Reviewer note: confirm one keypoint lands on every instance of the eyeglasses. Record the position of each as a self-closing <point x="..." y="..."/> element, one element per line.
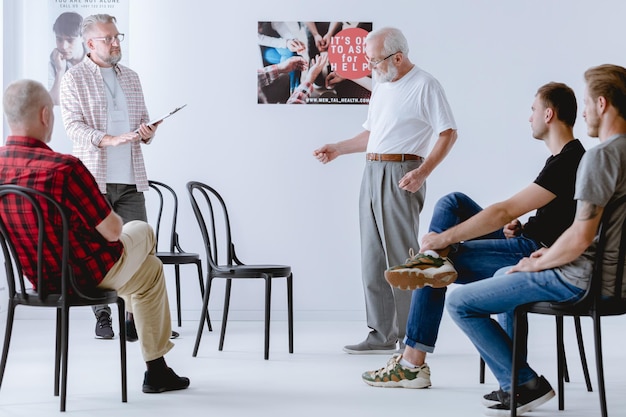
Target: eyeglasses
<point x="373" y="64"/>
<point x="109" y="39"/>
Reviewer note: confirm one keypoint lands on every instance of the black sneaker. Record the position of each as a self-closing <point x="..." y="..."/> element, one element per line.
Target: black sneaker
<point x="155" y="383"/>
<point x="131" y="332"/>
<point x="492" y="398"/>
<point x="103" y="326"/>
<point x="527" y="399"/>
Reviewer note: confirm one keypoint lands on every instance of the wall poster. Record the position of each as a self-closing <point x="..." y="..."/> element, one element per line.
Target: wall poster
<point x="313" y="63"/>
<point x="66" y="43"/>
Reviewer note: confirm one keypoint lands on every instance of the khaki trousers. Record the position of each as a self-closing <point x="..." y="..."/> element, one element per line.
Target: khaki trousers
<point x="139" y="279"/>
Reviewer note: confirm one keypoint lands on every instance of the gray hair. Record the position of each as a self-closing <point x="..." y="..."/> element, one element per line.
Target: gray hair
<point x="22" y="101"/>
<point x="393" y="40"/>
<point x="90" y="21"/>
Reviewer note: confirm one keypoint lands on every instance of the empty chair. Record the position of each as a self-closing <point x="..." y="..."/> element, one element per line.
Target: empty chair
<point x="222" y="262"/>
<point x="174" y="255"/>
<point x="70" y="295"/>
<point x="593" y="304"/>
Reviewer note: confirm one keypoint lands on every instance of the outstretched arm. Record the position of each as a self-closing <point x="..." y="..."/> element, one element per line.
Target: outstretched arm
<point x="330" y="151"/>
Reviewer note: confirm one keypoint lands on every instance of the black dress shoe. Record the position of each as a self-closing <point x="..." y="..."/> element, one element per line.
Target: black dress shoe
<point x="157" y="382"/>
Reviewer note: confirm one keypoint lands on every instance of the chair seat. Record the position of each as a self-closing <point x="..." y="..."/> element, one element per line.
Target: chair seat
<point x="607" y="308"/>
<point x="178" y="257"/>
<point x="95" y="296"/>
<point x="252" y="271"/>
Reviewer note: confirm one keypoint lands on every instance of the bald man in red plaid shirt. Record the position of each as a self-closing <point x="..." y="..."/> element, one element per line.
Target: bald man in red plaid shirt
<point x="104" y="252"/>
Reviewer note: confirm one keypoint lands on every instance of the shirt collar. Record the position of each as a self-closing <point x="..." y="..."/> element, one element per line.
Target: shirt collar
<point x="96" y="68"/>
<point x="26" y="141"/>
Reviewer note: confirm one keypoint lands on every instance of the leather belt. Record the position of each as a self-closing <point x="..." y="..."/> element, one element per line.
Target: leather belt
<point x="392" y="157"/>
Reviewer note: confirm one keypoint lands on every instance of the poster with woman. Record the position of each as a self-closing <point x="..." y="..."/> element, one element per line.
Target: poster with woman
<point x="313" y="63"/>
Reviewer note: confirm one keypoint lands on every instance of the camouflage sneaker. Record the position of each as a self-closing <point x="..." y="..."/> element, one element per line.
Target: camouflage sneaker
<point x="395" y="375"/>
<point x="421" y="270"/>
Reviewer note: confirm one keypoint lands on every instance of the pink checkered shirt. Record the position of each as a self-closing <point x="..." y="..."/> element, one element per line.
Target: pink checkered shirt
<point x="84" y="112"/>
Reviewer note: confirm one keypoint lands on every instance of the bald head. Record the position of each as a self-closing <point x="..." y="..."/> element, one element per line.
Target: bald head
<point x="28" y="109"/>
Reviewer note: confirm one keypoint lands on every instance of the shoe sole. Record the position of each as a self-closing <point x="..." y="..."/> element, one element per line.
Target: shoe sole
<point x="104" y="337"/>
<point x="413" y="278"/>
<point x="147" y="389"/>
<point x="418" y="383"/>
<point x="522" y="409"/>
<point x="489" y="403"/>
<point x="370" y="351"/>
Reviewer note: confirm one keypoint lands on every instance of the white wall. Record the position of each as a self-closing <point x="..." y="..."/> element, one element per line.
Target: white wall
<point x="490" y="56"/>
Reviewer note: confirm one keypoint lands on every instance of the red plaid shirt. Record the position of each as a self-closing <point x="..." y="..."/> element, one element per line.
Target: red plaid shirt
<point x="31" y="163"/>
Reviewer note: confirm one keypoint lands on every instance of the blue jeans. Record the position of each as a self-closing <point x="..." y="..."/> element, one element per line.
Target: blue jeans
<point x="471" y="307"/>
<point x="474" y="260"/>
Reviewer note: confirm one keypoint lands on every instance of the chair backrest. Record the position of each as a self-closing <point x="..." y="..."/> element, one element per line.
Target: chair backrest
<point x="613" y="222"/>
<point x="31" y="200"/>
<point x="167" y="206"/>
<point x="212" y="216"/>
<point x="611" y="248"/>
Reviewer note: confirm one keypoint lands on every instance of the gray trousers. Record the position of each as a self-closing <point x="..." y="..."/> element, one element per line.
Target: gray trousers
<point x="389" y="222"/>
<point x="130" y="205"/>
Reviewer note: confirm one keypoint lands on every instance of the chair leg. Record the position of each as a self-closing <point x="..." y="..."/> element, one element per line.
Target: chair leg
<point x="65" y="324"/>
<point x="520" y="334"/>
<point x="290" y="310"/>
<point x="481" y="372"/>
<point x="208" y="319"/>
<point x="121" y="312"/>
<point x="268" y="308"/>
<point x="57" y="353"/>
<point x="225" y="314"/>
<point x="7" y="340"/>
<point x="177" y="272"/>
<point x="581" y="351"/>
<point x="561" y="364"/>
<point x="599" y="363"/>
<point x="203" y="315"/>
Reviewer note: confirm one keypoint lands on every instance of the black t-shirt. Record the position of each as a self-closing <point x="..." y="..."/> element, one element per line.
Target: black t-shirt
<point x="559" y="177"/>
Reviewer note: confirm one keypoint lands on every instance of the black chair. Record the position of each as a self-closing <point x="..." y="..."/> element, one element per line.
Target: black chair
<point x="168" y="201"/>
<point x="212" y="216"/>
<point x="581" y="351"/>
<point x="593" y="304"/>
<point x="21" y="293"/>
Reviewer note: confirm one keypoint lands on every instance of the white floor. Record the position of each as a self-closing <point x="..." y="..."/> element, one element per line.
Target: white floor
<point x="318" y="379"/>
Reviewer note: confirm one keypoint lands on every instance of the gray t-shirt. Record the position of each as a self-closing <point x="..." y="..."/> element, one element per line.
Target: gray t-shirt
<point x="601" y="179"/>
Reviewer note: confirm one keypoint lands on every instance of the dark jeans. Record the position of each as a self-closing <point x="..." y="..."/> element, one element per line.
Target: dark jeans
<point x="130" y="205"/>
<point x="474" y="260"/>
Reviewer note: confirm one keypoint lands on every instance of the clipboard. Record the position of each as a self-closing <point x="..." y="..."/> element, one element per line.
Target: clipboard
<point x="165" y="116"/>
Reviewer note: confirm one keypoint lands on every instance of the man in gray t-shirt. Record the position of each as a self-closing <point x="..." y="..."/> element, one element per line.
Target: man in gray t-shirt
<point x="562" y="271"/>
<point x="600" y="180"/>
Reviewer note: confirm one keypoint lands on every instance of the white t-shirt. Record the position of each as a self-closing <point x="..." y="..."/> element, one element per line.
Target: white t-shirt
<point x="404" y="115"/>
<point x="119" y="158"/>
